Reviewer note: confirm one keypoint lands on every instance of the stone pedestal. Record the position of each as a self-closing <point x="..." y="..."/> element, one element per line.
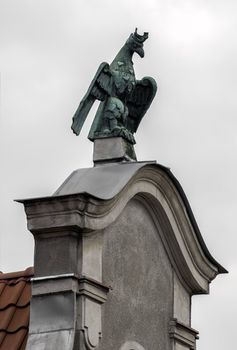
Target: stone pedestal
<point x="118" y="256"/>
<point x="113" y="149"/>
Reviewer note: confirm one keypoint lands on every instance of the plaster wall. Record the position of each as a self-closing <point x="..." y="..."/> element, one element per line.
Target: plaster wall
<point x="182" y="302"/>
<point x="136" y="266"/>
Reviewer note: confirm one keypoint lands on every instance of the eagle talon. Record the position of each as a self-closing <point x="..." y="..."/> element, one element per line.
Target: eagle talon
<point x="116" y="129"/>
<point x="106" y="131"/>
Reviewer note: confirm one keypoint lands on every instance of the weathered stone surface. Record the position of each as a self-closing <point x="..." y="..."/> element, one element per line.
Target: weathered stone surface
<point x="57" y="253"/>
<point x="128" y="226"/>
<point x="63" y="339"/>
<point x="182" y="336"/>
<point x="113" y="150"/>
<point x="182" y="302"/>
<point x="135" y="264"/>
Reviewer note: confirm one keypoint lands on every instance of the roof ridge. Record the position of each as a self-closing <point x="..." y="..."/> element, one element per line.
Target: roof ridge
<point x="29" y="271"/>
<point x="14" y="281"/>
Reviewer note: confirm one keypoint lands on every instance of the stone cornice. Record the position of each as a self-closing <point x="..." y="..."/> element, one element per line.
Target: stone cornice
<point x="183" y="334"/>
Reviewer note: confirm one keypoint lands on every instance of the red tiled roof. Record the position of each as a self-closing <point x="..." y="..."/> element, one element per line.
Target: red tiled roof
<point x="15" y="295"/>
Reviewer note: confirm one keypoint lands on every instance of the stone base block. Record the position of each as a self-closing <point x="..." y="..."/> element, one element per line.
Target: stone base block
<point x="113" y="149"/>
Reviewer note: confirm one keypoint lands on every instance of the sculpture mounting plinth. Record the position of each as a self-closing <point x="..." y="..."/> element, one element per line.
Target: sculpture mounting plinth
<point x="114" y="149"/>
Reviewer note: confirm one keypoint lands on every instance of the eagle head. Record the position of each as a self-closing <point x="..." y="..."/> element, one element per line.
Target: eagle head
<point x="135" y="42"/>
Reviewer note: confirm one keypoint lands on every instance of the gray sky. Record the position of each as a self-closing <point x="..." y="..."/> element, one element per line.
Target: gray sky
<point x="49" y="52"/>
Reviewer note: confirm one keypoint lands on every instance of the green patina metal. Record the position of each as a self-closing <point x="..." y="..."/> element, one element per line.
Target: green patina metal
<point x="124" y="100"/>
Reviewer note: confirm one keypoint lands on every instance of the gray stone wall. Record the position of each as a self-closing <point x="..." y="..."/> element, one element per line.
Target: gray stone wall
<point x="182" y="302"/>
<point x="135" y="264"/>
<point x="127" y="226"/>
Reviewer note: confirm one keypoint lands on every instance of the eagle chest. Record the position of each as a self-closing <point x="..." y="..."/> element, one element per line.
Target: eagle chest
<point x="124" y="78"/>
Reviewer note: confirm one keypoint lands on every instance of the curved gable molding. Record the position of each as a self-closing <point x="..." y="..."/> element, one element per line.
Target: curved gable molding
<point x="92" y="199"/>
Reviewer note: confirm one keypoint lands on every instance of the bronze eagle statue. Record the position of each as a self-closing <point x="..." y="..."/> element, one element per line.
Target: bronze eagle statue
<point x="124" y="100"/>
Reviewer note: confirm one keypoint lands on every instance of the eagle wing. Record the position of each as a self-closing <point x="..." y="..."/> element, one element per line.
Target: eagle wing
<point x="139" y="101"/>
<point x="99" y="89"/>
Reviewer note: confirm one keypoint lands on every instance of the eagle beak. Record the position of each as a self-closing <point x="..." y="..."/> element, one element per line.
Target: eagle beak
<point x="140" y="52"/>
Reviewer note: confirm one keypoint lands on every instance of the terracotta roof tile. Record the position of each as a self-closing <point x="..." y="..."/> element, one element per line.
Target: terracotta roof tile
<point x="11" y="294"/>
<point x="23" y="345"/>
<point x="14" y="341"/>
<point x="24" y="298"/>
<point x="2" y="286"/>
<point x="15" y="295"/>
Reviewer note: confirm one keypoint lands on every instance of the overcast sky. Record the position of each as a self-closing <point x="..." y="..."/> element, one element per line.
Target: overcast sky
<point x="49" y="52"/>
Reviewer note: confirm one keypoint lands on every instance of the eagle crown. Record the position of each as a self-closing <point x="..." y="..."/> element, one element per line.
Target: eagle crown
<point x="135" y="42"/>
